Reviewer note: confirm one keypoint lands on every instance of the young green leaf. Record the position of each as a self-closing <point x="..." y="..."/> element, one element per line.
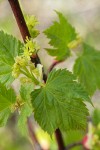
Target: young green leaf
<point x="96" y="117"/>
<point x="87" y="69"/>
<point x="26" y="90"/>
<point x="60" y="34"/>
<point x="60" y="103"/>
<point x="4" y="115"/>
<point x="7" y="97"/>
<point x="26" y="111"/>
<point x="10" y="47"/>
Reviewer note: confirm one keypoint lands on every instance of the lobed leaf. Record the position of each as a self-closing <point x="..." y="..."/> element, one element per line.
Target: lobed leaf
<point x="4" y="115"/>
<point x="96" y="117"/>
<point x="60" y="34"/>
<point x="26" y="90"/>
<point x="60" y="103"/>
<point x="10" y="47"/>
<point x="26" y="111"/>
<point x="87" y="68"/>
<point x="7" y="97"/>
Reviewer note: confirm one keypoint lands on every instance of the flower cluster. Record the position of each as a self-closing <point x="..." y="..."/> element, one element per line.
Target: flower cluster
<point x="31" y="22"/>
<point x="18" y="105"/>
<point x="20" y="62"/>
<point x="92" y="139"/>
<point x="30" y="48"/>
<point x="23" y="65"/>
<point x="27" y="68"/>
<point x="73" y="44"/>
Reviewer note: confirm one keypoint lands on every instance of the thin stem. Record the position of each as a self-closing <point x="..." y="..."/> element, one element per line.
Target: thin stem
<point x="59" y="139"/>
<point x="32" y="135"/>
<point x="53" y="65"/>
<point x="19" y="18"/>
<point x="73" y="145"/>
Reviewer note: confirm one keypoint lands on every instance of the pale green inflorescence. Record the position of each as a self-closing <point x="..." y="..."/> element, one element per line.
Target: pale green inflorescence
<point x="30" y="48"/>
<point x="23" y="65"/>
<point x="31" y="22"/>
<point x="93" y="136"/>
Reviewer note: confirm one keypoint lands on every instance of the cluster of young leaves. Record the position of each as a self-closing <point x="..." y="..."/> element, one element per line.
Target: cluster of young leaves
<point x="7" y="99"/>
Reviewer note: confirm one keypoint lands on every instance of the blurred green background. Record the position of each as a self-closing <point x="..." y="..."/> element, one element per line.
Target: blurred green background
<point x="85" y="16"/>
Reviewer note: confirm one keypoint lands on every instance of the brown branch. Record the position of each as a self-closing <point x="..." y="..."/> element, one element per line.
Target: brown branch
<point x="22" y="25"/>
<point x="24" y="32"/>
<point x="59" y="140"/>
<point x="73" y="145"/>
<point x="19" y="18"/>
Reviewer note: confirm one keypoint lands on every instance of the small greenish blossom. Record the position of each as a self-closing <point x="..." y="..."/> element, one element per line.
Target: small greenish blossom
<point x="16" y="70"/>
<point x="25" y="80"/>
<point x="21" y="61"/>
<point x="95" y="139"/>
<point x="24" y="66"/>
<point x="31" y="22"/>
<point x="19" y="103"/>
<point x="30" y="48"/>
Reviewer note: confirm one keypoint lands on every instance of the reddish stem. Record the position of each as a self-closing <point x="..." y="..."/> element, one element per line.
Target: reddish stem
<point x="59" y="139"/>
<point x="56" y="62"/>
<point x="73" y="145"/>
<point x="19" y="18"/>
